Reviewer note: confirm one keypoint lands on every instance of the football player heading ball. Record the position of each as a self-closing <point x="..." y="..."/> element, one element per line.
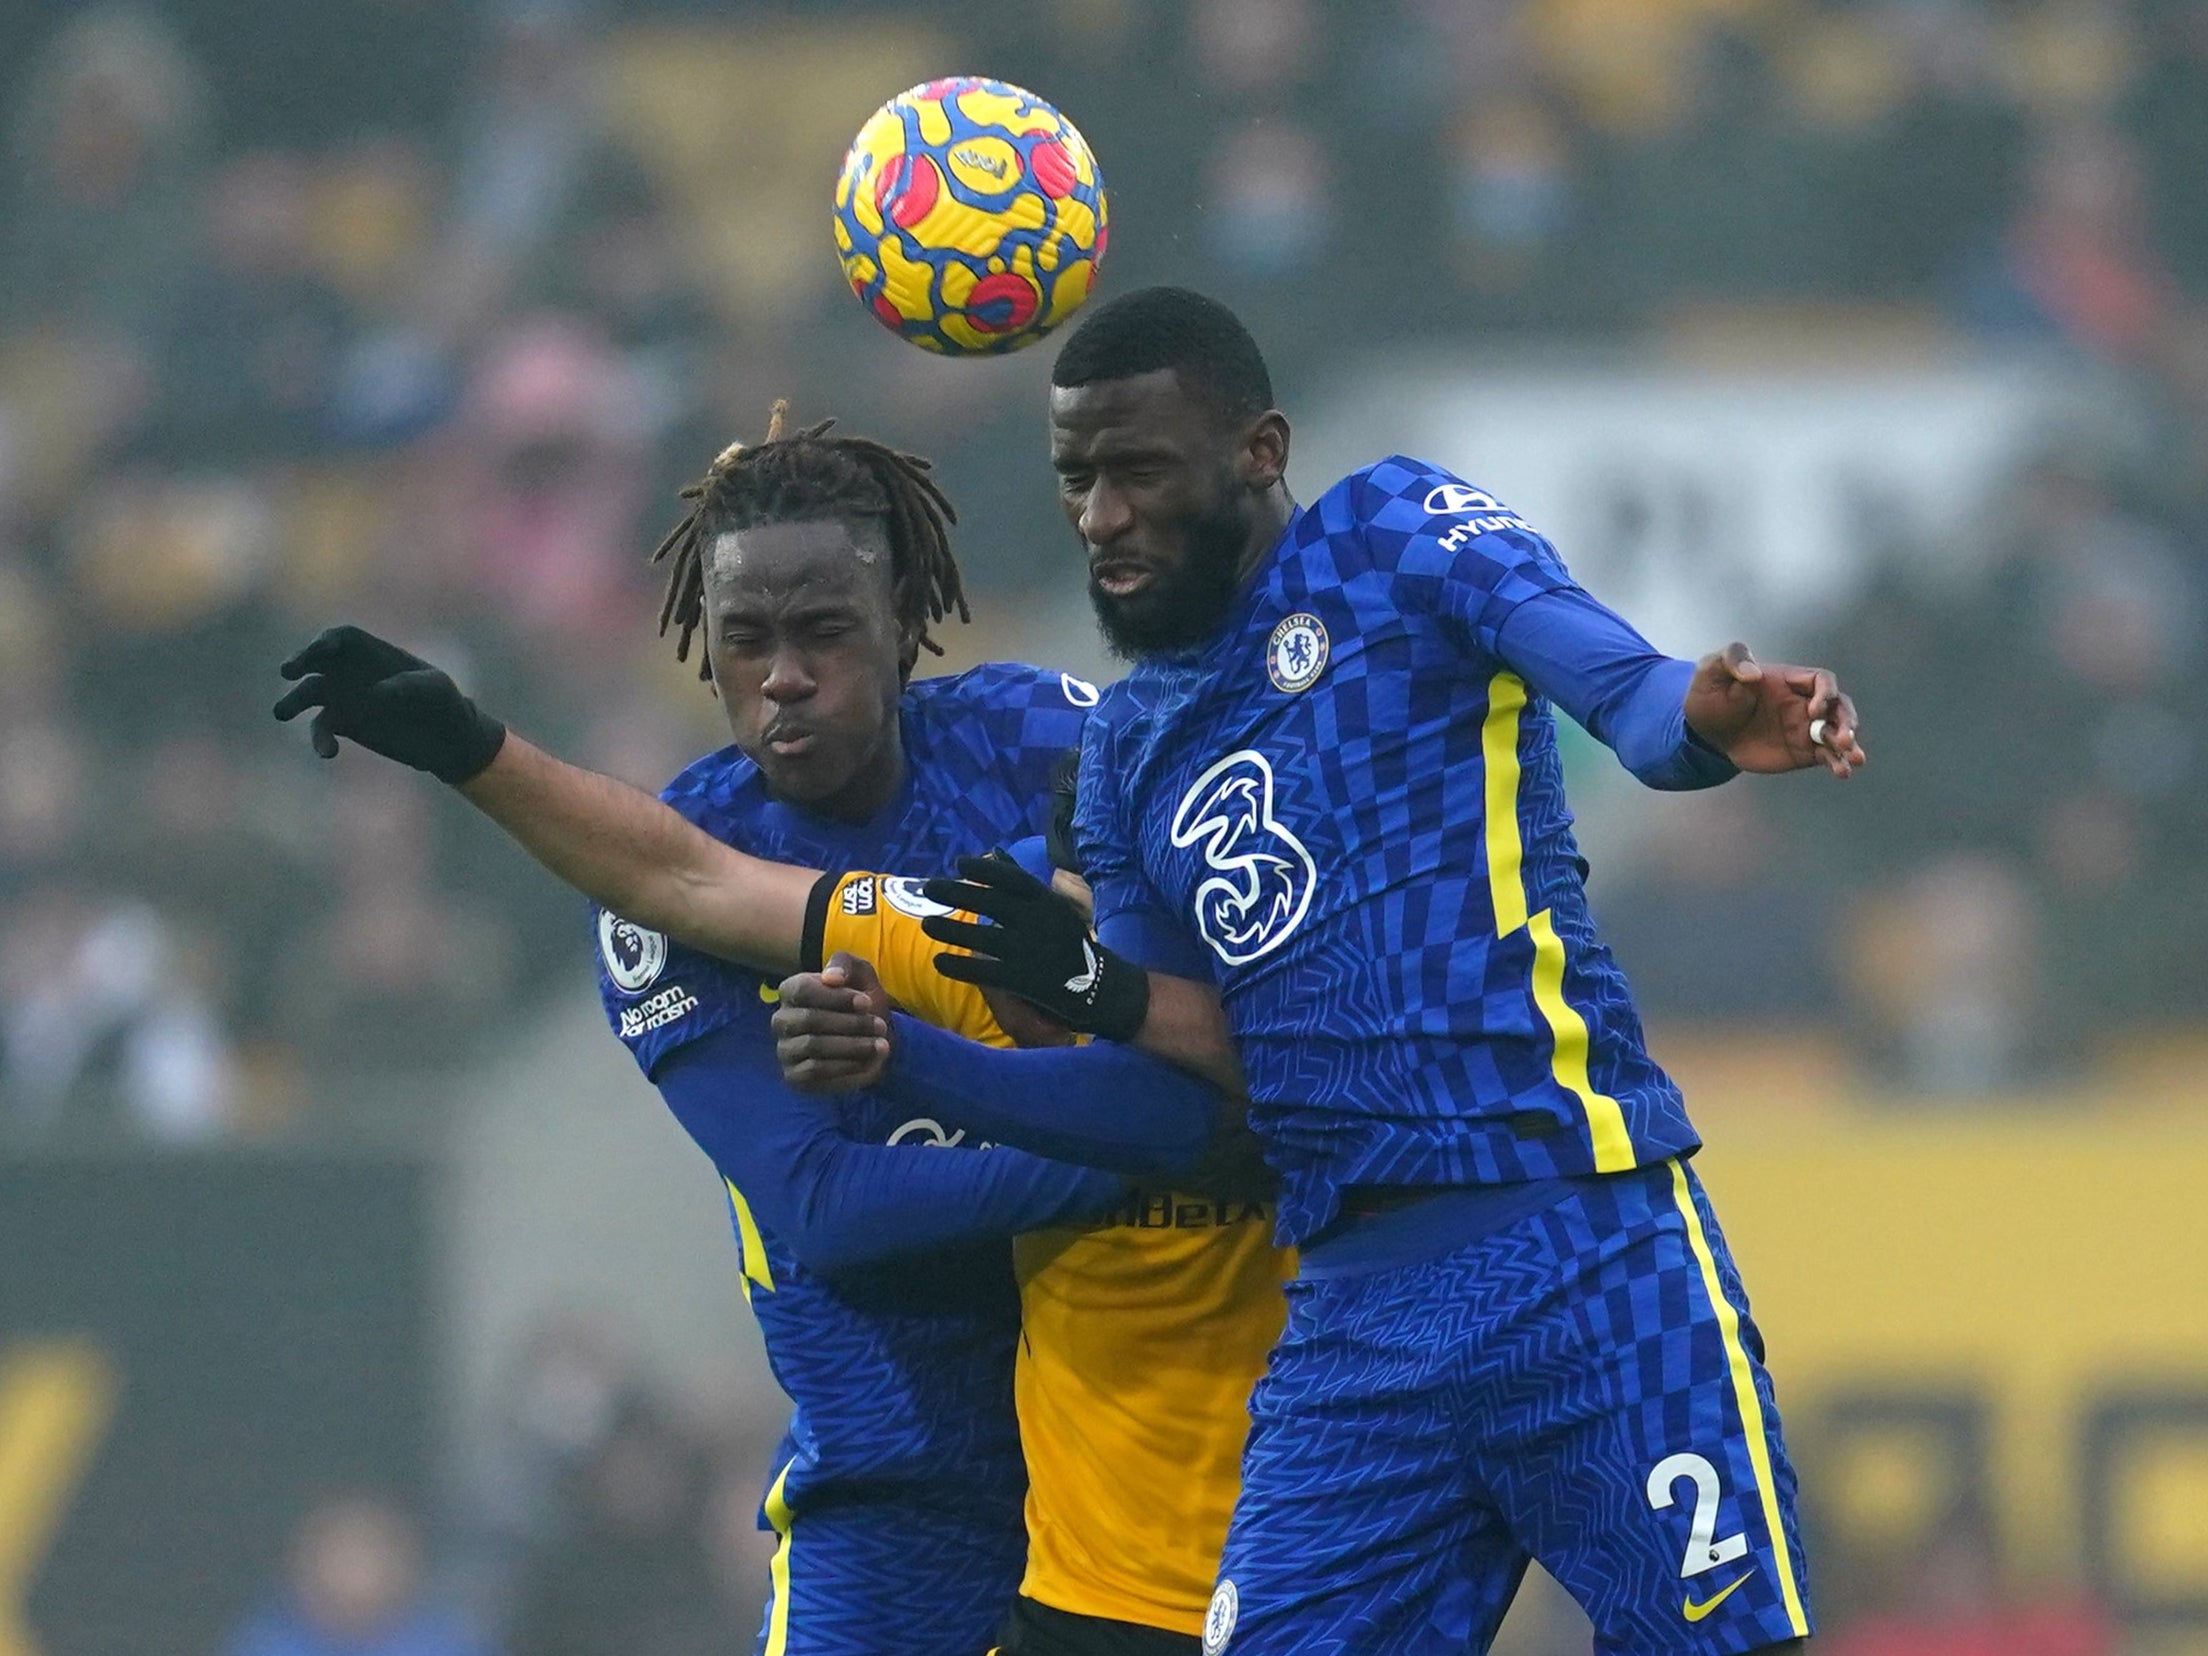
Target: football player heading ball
<point x="1327" y="802"/>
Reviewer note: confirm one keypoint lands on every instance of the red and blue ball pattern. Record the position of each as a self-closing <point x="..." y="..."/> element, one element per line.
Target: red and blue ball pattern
<point x="970" y="217"/>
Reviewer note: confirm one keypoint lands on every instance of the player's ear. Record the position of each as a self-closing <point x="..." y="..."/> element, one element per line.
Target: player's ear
<point x="1265" y="451"/>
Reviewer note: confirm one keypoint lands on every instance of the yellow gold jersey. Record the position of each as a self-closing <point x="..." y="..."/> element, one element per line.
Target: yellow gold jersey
<point x="1142" y="1334"/>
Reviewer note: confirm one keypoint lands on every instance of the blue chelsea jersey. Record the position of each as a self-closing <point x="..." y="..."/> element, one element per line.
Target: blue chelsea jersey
<point x="901" y="1374"/>
<point x="1359" y="809"/>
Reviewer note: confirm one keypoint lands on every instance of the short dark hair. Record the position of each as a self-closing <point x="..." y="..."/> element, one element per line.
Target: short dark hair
<point x="1169" y="327"/>
<point x="810" y="476"/>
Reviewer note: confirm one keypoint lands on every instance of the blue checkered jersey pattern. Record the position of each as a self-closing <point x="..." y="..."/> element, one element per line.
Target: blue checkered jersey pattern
<point x="1358" y="808"/>
<point x="901" y="1374"/>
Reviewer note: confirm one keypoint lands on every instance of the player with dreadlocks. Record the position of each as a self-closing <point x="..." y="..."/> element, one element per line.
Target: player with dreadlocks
<point x="813" y="565"/>
<point x="747" y="486"/>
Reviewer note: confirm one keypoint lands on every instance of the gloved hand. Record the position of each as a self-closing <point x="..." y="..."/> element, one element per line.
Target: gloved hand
<point x="1039" y="948"/>
<point x="389" y="702"/>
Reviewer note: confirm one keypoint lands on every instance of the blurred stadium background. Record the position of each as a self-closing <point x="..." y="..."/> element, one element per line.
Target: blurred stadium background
<point x="347" y="1271"/>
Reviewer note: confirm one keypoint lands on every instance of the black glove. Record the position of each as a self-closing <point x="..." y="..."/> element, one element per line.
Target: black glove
<point x="389" y="702"/>
<point x="1040" y="948"/>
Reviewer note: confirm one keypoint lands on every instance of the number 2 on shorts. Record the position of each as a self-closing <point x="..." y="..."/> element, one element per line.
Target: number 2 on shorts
<point x="1704" y="1551"/>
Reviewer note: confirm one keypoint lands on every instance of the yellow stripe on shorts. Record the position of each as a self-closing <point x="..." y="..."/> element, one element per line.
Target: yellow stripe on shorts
<point x="778" y="1571"/>
<point x="1744" y="1394"/>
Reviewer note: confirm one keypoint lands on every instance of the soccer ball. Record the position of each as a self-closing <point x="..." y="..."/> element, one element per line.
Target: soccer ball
<point x="970" y="217"/>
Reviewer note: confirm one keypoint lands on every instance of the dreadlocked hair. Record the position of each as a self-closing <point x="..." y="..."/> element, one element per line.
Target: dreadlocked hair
<point x="807" y="475"/>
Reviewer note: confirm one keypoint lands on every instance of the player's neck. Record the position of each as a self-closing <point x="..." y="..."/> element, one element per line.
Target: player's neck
<point x="1274" y="511"/>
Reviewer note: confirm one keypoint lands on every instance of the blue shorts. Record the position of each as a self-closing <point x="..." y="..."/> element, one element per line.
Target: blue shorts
<point x="881" y="1578"/>
<point x="1582" y="1386"/>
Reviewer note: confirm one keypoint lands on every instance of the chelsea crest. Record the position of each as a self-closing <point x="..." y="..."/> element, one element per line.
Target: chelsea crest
<point x="1297" y="654"/>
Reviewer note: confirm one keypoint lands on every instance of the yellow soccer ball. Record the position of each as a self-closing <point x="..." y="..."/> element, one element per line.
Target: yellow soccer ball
<point x="970" y="217"/>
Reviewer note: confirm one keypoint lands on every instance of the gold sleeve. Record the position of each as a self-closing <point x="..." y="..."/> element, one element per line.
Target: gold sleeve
<point x="877" y="917"/>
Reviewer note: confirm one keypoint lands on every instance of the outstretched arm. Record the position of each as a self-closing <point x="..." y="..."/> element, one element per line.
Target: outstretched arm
<point x="616" y="845"/>
<point x="1673" y="723"/>
<point x="641" y="859"/>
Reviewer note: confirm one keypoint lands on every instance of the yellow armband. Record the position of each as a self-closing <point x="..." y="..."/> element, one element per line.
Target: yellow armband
<point x="877" y="917"/>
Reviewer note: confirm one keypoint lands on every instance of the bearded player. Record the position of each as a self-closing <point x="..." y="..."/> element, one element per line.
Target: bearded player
<point x="1328" y="798"/>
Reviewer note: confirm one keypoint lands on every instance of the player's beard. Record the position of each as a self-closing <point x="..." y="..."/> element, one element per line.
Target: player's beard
<point x="1183" y="607"/>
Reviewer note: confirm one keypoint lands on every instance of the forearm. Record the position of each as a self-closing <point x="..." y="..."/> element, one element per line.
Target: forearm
<point x="848" y="1203"/>
<point x="1648" y="731"/>
<point x="1101" y="1105"/>
<point x="1185" y="1024"/>
<point x="639" y="858"/>
<point x="837" y="1203"/>
<point x="1625" y="692"/>
<point x="1186" y="1027"/>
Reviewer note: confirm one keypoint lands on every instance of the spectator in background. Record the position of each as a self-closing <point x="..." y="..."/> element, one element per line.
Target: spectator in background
<point x="246" y="361"/>
<point x="528" y="136"/>
<point x="2075" y="265"/>
<point x="552" y="472"/>
<point x="400" y="975"/>
<point x="570" y="1382"/>
<point x="2048" y="869"/>
<point x="1952" y="1602"/>
<point x="101" y="989"/>
<point x="620" y="261"/>
<point x="170" y="571"/>
<point x="1270" y="207"/>
<point x="1948" y="979"/>
<point x="2168" y="114"/>
<point x="210" y="839"/>
<point x="593" y="1498"/>
<point x="42" y="760"/>
<point x="1939" y="173"/>
<point x="1265" y="208"/>
<point x="1513" y="204"/>
<point x="354" y="1589"/>
<point x="1729" y="198"/>
<point x="109" y="136"/>
<point x="636" y="1576"/>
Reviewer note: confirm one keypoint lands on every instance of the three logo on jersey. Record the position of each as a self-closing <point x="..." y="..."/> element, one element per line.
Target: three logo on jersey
<point x="1262" y="878"/>
<point x="926" y="1130"/>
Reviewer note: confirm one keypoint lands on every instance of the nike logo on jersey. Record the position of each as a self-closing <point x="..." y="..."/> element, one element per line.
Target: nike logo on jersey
<point x="1084" y="983"/>
<point x="1695" y="1612"/>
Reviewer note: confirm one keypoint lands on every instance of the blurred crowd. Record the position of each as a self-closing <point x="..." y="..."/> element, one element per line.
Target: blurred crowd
<point x="418" y="316"/>
<point x="608" y="1515"/>
<point x="604" y="1512"/>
